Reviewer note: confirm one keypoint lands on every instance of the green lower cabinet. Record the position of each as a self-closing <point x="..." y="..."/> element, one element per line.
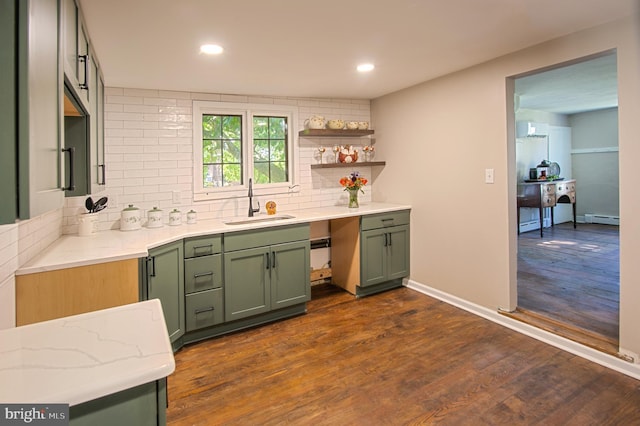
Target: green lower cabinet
<point x="247" y="286"/>
<point x="266" y="278"/>
<point x="204" y="309"/>
<point x="144" y="405"/>
<point x="385" y="255"/>
<point x="290" y="274"/>
<point x="384" y="251"/>
<point x="164" y="269"/>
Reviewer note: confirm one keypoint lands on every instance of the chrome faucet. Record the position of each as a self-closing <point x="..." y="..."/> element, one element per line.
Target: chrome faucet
<point x="251" y="209"/>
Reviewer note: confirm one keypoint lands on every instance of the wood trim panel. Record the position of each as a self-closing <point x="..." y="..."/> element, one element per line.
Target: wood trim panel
<point x="345" y="252"/>
<point x="55" y="294"/>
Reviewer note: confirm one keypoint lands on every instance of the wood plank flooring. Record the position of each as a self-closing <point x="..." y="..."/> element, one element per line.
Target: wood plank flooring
<point x="396" y="358"/>
<point x="569" y="281"/>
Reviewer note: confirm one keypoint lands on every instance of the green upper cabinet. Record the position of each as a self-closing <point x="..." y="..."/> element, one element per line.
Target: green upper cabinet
<point x="84" y="104"/>
<point x="8" y="112"/>
<point x="77" y="63"/>
<point x="265" y="270"/>
<point x="39" y="100"/>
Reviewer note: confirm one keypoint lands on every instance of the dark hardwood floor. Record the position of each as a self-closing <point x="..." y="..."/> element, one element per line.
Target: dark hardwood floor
<point x="570" y="279"/>
<point x="396" y="358"/>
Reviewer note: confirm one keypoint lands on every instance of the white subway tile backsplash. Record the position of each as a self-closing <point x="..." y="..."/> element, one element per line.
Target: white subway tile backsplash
<point x="150" y="152"/>
<point x="160" y="101"/>
<point x="124" y="133"/>
<point x="123" y="100"/>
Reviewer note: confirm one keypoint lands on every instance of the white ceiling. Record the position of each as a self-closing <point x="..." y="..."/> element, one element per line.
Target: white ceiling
<point x="311" y="48"/>
<point x="585" y="86"/>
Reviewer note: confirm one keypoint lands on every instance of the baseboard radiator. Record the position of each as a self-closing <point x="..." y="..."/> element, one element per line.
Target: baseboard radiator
<point x="602" y="219"/>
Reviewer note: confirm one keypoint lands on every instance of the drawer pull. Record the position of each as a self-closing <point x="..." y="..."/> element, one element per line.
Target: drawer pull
<point x="203" y="310"/>
<point x="208" y="246"/>
<point x="202" y="274"/>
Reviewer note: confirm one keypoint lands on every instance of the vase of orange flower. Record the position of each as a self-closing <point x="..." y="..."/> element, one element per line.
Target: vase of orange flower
<point x="353" y="185"/>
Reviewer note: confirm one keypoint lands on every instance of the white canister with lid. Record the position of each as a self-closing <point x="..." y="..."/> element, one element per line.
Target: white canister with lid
<point x="130" y="219"/>
<point x="192" y="217"/>
<point x="154" y="218"/>
<point x="175" y="217"/>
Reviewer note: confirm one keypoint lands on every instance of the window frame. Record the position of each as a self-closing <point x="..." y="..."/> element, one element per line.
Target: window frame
<point x="247" y="111"/>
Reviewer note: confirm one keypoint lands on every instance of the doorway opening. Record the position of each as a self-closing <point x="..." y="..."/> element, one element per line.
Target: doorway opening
<point x="566" y="153"/>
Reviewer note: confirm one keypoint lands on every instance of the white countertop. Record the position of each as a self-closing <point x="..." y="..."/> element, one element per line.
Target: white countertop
<point x="83" y="357"/>
<point x="107" y="246"/>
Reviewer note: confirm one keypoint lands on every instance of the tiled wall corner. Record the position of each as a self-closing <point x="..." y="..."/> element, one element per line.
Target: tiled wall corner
<point x="19" y="243"/>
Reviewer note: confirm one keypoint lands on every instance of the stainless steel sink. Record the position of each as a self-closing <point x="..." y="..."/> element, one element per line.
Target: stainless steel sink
<point x="258" y="219"/>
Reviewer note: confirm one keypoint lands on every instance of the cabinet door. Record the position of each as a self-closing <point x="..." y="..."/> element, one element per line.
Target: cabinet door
<point x="8" y="113"/>
<point x="247" y="289"/>
<point x="373" y="259"/>
<point x="70" y="42"/>
<point x="39" y="109"/>
<point x="84" y="66"/>
<point x="290" y="279"/>
<point x="398" y="252"/>
<point x="165" y="281"/>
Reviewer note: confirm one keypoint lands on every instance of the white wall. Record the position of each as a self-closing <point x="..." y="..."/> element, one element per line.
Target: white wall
<point x="440" y="136"/>
<point x="596" y="172"/>
<point x="149" y="154"/>
<point x="19" y="243"/>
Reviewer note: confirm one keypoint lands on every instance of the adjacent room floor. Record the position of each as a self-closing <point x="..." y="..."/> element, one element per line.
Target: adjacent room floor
<point x="569" y="282"/>
<point x="394" y="358"/>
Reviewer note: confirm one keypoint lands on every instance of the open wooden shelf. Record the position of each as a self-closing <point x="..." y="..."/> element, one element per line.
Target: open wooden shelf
<point x="333" y="133"/>
<point x="356" y="164"/>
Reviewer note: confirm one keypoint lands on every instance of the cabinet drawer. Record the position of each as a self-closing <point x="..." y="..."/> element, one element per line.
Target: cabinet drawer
<point x="202" y="273"/>
<point x="384" y="220"/>
<point x="202" y="246"/>
<point x="565" y="188"/>
<point x="263" y="237"/>
<point x="204" y="309"/>
<point x="548" y="189"/>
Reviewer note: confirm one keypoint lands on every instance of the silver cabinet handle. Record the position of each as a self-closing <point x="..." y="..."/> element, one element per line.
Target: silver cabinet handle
<point x="85" y="61"/>
<point x="203" y="310"/>
<point x="203" y="274"/>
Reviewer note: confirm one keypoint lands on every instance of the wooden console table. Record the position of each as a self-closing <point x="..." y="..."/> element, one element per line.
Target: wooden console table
<point x="543" y="194"/>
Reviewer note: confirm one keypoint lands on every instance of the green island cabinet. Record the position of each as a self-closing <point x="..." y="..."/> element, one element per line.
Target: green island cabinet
<point x="203" y="282"/>
<point x="162" y="277"/>
<point x="144" y="405"/>
<point x="266" y="270"/>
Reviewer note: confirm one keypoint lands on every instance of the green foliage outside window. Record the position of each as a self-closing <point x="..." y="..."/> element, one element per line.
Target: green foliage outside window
<point x="270" y="162"/>
<point x="221" y="150"/>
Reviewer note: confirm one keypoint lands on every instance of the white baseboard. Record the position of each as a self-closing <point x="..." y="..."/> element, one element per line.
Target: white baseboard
<point x="602" y="219"/>
<point x="609" y="361"/>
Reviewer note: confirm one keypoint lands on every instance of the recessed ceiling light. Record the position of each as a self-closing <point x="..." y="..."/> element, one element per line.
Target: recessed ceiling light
<point x="365" y="67"/>
<point x="211" y="49"/>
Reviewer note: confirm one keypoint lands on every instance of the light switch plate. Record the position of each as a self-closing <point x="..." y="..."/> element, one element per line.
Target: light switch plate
<point x="488" y="175"/>
<point x="176" y="197"/>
